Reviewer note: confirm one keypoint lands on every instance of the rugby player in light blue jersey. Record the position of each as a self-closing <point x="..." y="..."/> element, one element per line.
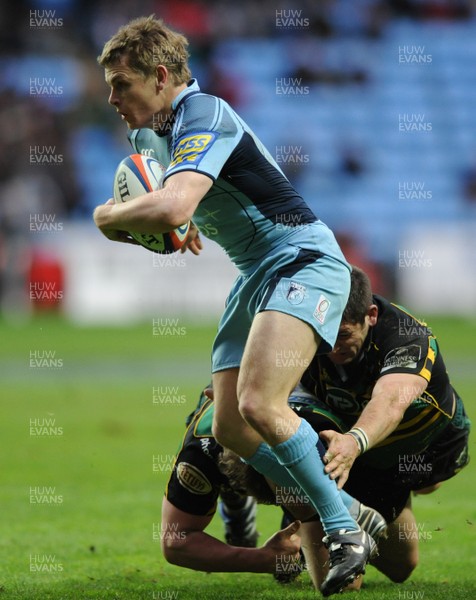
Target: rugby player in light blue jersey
<point x="287" y="302"/>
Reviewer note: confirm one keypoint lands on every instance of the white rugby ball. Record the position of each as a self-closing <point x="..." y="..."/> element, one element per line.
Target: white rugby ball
<point x="136" y="175"/>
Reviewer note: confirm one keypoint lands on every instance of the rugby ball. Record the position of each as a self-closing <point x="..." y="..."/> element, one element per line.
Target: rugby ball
<point x="136" y="175"/>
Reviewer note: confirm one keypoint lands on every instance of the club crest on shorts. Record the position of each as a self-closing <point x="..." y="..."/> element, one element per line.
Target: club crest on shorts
<point x="322" y="307"/>
<point x="296" y="293"/>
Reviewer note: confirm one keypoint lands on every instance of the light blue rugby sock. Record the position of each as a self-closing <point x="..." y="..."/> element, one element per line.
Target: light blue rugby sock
<point x="297" y="461"/>
<point x="265" y="462"/>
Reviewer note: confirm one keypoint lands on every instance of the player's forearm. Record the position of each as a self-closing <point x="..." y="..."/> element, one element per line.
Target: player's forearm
<point x="201" y="552"/>
<point x="391" y="397"/>
<point x="380" y="417"/>
<point x="151" y="213"/>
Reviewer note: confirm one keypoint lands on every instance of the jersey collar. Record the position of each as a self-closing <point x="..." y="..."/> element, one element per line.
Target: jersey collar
<point x="192" y="88"/>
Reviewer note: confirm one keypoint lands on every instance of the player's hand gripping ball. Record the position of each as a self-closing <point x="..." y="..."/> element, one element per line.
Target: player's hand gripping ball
<point x="137" y="175"/>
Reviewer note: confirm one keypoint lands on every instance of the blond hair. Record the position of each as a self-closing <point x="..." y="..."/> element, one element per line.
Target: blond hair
<point x="147" y="42"/>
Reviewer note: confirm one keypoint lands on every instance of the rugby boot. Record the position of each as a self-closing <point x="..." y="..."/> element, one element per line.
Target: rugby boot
<point x="349" y="552"/>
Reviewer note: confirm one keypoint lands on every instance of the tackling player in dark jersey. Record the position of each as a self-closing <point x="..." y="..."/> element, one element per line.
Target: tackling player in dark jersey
<point x="190" y="502"/>
<point x="406" y="425"/>
<point x="200" y="476"/>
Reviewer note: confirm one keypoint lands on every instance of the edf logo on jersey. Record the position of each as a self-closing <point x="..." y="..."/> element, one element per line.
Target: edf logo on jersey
<point x="191" y="149"/>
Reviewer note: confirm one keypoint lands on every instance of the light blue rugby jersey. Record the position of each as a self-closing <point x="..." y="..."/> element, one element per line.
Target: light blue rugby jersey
<point x="251" y="207"/>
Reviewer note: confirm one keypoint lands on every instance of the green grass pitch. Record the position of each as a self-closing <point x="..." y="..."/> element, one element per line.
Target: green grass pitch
<point x="90" y="418"/>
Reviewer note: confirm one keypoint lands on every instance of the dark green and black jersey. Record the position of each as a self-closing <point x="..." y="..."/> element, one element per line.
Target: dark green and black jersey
<point x="196" y="480"/>
<point x="398" y="343"/>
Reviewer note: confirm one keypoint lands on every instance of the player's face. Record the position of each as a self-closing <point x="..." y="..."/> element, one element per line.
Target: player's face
<point x="135" y="97"/>
<point x="351" y="338"/>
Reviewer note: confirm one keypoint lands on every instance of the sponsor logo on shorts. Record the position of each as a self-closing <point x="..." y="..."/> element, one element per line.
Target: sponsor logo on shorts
<point x="296" y="293"/>
<point x="406" y="357"/>
<point x="192" y="479"/>
<point x="192" y="148"/>
<point x="322" y="307"/>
